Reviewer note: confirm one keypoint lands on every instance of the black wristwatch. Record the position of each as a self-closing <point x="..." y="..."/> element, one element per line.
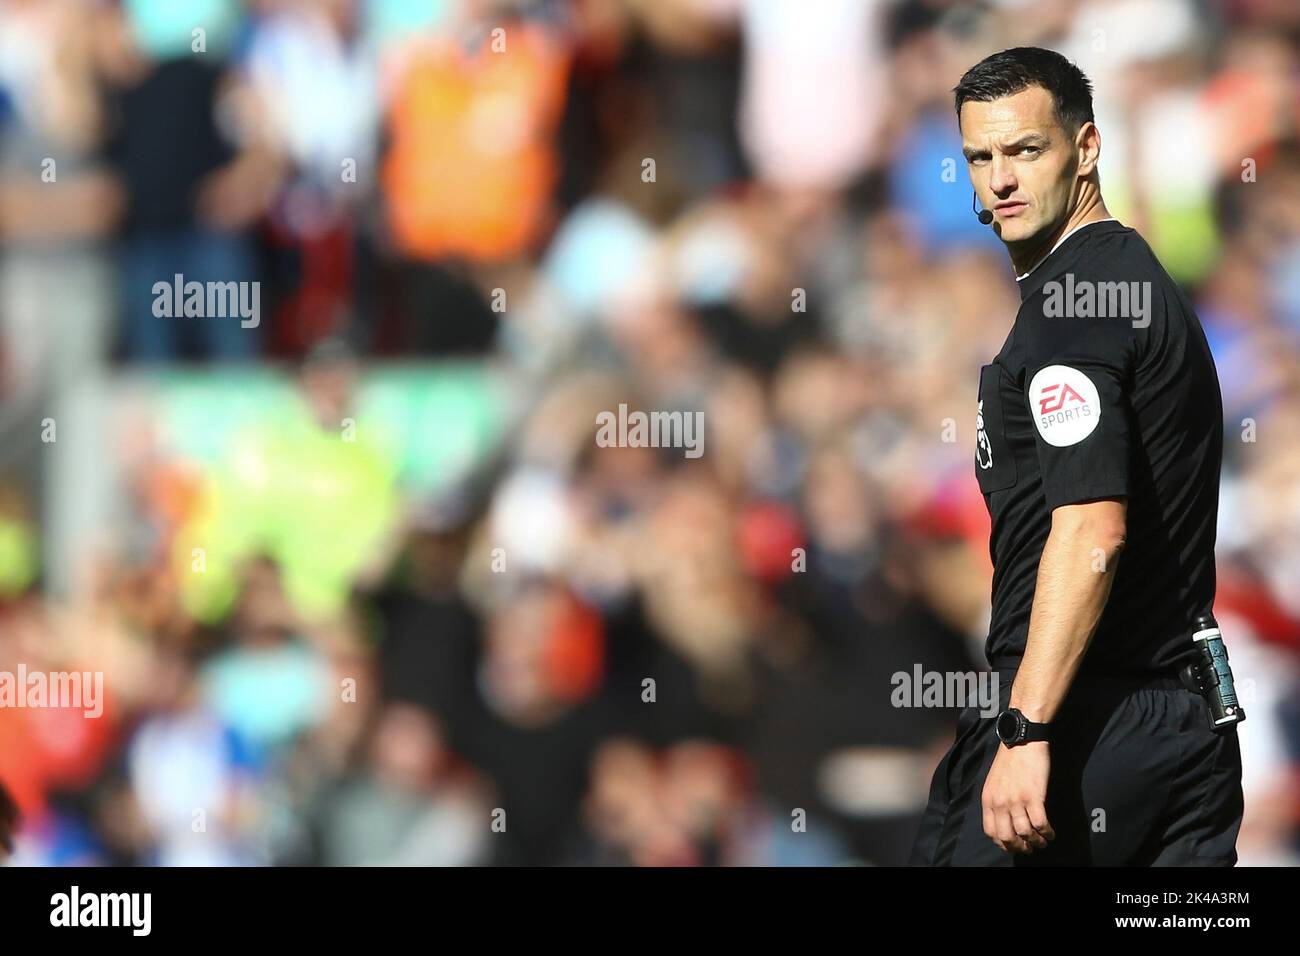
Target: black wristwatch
<point x="1015" y="729"/>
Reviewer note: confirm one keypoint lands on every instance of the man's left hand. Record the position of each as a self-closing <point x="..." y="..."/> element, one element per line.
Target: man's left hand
<point x="1015" y="797"/>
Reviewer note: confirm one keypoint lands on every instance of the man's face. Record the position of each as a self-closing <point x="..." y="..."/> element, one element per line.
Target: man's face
<point x="1022" y="163"/>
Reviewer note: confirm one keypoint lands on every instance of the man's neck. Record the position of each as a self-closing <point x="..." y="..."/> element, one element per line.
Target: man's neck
<point x="1090" y="208"/>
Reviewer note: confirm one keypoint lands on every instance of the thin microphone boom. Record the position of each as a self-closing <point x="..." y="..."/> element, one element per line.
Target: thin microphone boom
<point x="983" y="215"/>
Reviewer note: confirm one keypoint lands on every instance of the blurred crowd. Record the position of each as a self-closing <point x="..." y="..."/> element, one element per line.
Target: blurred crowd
<point x="561" y="653"/>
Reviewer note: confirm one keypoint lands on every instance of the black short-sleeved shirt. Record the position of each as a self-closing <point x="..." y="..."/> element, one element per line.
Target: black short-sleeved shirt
<point x="1104" y="388"/>
<point x="166" y="140"/>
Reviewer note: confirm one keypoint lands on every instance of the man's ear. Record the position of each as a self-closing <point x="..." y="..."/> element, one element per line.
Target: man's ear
<point x="1087" y="142"/>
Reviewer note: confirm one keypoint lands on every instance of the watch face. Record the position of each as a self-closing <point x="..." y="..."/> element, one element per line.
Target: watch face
<point x="1008" y="726"/>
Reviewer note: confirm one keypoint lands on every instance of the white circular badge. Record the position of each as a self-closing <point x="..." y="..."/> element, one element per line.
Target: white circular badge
<point x="1065" y="405"/>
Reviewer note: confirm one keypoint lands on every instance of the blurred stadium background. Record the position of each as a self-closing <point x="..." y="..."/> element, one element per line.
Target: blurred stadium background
<point x="359" y="576"/>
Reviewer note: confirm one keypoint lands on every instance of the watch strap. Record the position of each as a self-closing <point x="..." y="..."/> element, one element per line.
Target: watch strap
<point x="1034" y="732"/>
<point x="1029" y="731"/>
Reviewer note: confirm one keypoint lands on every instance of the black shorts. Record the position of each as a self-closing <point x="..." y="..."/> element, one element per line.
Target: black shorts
<point x="1137" y="778"/>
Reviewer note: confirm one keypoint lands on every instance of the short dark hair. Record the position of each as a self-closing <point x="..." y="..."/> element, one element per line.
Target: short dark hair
<point x="1017" y="69"/>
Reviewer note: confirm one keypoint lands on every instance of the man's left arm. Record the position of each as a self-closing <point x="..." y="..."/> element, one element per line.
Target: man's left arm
<point x="1074" y="581"/>
<point x="1078" y="376"/>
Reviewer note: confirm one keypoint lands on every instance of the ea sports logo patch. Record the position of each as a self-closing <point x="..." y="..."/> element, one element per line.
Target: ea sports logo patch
<point x="1065" y="405"/>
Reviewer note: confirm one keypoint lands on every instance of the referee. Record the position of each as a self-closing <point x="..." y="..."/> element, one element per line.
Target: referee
<point x="1100" y="433"/>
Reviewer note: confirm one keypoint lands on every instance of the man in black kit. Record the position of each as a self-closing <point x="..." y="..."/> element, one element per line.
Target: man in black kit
<point x="1100" y="430"/>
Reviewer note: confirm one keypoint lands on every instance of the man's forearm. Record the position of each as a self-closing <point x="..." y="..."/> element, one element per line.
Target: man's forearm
<point x="1074" y="580"/>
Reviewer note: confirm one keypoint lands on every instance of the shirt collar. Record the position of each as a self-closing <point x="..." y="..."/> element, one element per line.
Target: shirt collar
<point x="1061" y="240"/>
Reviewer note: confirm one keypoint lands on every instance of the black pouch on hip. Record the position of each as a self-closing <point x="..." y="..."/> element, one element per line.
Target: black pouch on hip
<point x="1211" y="675"/>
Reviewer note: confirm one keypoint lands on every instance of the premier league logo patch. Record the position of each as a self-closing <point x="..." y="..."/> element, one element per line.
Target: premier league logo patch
<point x="1065" y="405"/>
<point x="983" y="447"/>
